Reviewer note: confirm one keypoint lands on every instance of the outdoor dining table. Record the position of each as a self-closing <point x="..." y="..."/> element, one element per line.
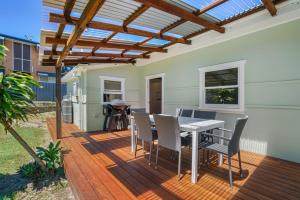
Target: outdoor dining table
<point x="195" y="126"/>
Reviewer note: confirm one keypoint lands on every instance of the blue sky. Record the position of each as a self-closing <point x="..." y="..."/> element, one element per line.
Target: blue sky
<point x="21" y="17"/>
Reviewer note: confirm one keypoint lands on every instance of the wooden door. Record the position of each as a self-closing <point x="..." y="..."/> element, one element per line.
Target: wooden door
<point x="155" y="95"/>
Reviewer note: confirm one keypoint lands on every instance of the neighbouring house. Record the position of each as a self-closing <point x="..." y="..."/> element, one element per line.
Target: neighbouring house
<point x="23" y="55"/>
<point x="252" y="69"/>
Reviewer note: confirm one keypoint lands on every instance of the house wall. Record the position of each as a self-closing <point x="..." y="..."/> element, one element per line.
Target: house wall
<point x="95" y="117"/>
<point x="272" y="87"/>
<point x="9" y="62"/>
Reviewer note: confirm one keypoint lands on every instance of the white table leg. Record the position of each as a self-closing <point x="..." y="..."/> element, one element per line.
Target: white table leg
<point x="221" y="142"/>
<point x="194" y="157"/>
<point x="132" y="134"/>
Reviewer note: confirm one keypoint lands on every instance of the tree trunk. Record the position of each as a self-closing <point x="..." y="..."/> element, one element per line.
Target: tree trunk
<point x="14" y="133"/>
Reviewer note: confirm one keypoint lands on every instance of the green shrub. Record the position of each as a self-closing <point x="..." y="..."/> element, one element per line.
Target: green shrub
<point x="51" y="156"/>
<point x="32" y="170"/>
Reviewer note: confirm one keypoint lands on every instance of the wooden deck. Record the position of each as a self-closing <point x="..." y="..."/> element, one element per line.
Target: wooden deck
<point x="100" y="166"/>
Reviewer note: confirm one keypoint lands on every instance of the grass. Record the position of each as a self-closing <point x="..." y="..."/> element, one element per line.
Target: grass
<point x="12" y="154"/>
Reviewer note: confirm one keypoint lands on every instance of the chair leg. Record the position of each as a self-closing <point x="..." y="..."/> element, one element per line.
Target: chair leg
<point x="143" y="146"/>
<point x="135" y="148"/>
<point x="230" y="172"/>
<point x="152" y="143"/>
<point x="203" y="157"/>
<point x="150" y="153"/>
<point x="179" y="165"/>
<point x="156" y="159"/>
<point x="240" y="164"/>
<point x="207" y="157"/>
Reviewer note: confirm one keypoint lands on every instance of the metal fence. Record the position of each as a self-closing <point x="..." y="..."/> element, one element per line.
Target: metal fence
<point x="47" y="92"/>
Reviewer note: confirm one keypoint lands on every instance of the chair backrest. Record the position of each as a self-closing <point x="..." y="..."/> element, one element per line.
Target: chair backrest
<point x="234" y="143"/>
<point x="186" y="113"/>
<point x="143" y="126"/>
<point x="168" y="131"/>
<point x="178" y="112"/>
<point x="204" y="114"/>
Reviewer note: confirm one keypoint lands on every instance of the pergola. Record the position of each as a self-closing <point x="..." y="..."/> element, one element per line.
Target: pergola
<point x="122" y="31"/>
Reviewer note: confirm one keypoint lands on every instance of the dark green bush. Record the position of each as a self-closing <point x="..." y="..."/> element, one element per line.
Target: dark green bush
<point x="32" y="170"/>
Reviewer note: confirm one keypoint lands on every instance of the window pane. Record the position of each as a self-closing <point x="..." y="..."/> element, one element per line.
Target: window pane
<point x="110" y="97"/>
<point x="43" y="78"/>
<point x="112" y="85"/>
<point x="17" y="50"/>
<point x="26" y="66"/>
<point x="26" y="52"/>
<point x="17" y="64"/>
<point x="222" y="96"/>
<point x="221" y="77"/>
<point x="1" y="41"/>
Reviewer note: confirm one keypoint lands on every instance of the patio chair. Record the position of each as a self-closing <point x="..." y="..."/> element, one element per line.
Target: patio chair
<point x="170" y="137"/>
<point x="233" y="146"/>
<point x="205" y="139"/>
<point x="204" y="114"/>
<point x="186" y="113"/>
<point x="144" y="131"/>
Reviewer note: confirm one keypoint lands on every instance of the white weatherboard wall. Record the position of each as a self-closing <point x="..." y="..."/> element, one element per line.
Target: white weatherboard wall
<point x="95" y="117"/>
<point x="272" y="87"/>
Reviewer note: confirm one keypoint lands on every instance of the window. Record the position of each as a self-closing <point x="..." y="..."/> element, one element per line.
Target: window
<point x="46" y="79"/>
<point x="222" y="87"/>
<point x="112" y="88"/>
<point x="43" y="79"/>
<point x="22" y="57"/>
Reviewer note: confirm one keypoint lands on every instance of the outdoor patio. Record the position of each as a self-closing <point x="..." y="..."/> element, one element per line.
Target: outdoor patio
<point x="101" y="166"/>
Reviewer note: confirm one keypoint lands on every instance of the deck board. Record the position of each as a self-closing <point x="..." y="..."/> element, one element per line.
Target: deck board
<point x="100" y="166"/>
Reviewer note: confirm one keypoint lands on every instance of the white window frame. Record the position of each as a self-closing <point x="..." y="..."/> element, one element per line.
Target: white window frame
<point x="112" y="78"/>
<point x="240" y="108"/>
<point x="43" y="80"/>
<point x="13" y="57"/>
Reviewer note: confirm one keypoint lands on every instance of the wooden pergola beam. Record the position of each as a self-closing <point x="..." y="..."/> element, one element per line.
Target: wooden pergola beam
<point x="135" y="15"/>
<point x="87" y="15"/>
<point x="270" y="6"/>
<point x="67" y="13"/>
<point x="49" y="62"/>
<point x="210" y="6"/>
<point x="90" y="43"/>
<point x="179" y="12"/>
<point x="68" y="9"/>
<point x="235" y="18"/>
<point x="205" y="9"/>
<point x="58" y="18"/>
<point x="100" y="55"/>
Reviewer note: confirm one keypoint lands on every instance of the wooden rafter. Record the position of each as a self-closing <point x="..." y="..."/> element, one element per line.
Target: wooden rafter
<point x="199" y="12"/>
<point x="87" y="15"/>
<point x="104" y="41"/>
<point x="135" y="15"/>
<point x="235" y="18"/>
<point x="47" y="62"/>
<point x="68" y="9"/>
<point x="57" y="18"/>
<point x="102" y="55"/>
<point x="67" y="13"/>
<point x="270" y="6"/>
<point x="90" y="43"/>
<point x="210" y="6"/>
<point x="179" y="12"/>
